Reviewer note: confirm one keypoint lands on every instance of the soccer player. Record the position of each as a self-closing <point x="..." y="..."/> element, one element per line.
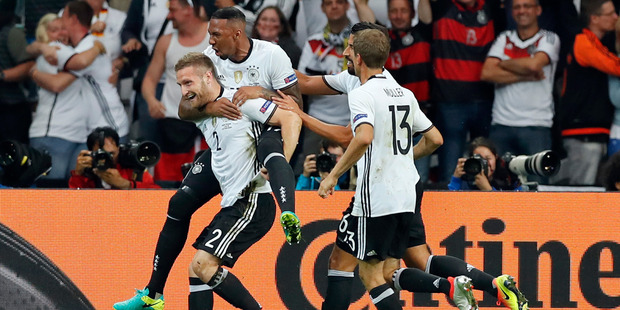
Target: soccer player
<point x="255" y="69"/>
<point x="342" y="264"/>
<point x="248" y="208"/>
<point x="240" y="61"/>
<point x="371" y="231"/>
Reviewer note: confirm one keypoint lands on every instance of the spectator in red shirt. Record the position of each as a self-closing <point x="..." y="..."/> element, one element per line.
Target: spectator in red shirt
<point x="117" y="177"/>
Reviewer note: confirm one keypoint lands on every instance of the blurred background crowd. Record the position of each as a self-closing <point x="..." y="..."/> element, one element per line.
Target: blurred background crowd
<point x="525" y="75"/>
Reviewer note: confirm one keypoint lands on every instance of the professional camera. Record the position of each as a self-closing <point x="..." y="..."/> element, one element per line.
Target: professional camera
<point x="474" y="165"/>
<point x="22" y="164"/>
<point x="134" y="155"/>
<point x="544" y="164"/>
<point x="102" y="160"/>
<point x="138" y="155"/>
<point x="325" y="162"/>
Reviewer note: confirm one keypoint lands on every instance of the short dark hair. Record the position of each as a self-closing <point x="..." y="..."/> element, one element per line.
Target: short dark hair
<point x="589" y="8"/>
<point x="373" y="46"/>
<point x="367" y="25"/>
<point x="82" y="10"/>
<point x="229" y="13"/>
<point x="99" y="134"/>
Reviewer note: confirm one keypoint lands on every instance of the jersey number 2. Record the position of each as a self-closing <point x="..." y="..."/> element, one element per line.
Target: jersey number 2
<point x="396" y="144"/>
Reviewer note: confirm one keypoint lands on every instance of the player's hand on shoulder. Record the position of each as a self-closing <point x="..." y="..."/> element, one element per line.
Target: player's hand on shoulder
<point x="246" y="92"/>
<point x="224" y="108"/>
<point x="286" y="103"/>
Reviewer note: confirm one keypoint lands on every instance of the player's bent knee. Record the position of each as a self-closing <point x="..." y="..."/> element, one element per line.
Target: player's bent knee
<point x="204" y="265"/>
<point x="269" y="144"/>
<point x="182" y="205"/>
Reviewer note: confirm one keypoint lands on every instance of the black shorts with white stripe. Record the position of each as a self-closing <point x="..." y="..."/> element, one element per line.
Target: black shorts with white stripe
<point x="235" y="229"/>
<point x="417" y="232"/>
<point x="374" y="237"/>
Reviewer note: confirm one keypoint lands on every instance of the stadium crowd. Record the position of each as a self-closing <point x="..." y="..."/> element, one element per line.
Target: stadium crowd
<point x="530" y="75"/>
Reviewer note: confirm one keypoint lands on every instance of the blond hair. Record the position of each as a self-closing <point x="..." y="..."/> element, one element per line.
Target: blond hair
<point x="41" y="31"/>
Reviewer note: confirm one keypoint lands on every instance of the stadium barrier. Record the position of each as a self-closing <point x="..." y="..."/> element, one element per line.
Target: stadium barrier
<point x="563" y="248"/>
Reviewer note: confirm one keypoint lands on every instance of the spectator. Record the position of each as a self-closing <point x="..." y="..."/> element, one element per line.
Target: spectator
<point x="59" y="124"/>
<point x="140" y="32"/>
<point x="410" y="57"/>
<point x="106" y="25"/>
<point x="611" y="173"/>
<point x="495" y="177"/>
<point x="322" y="55"/>
<point x="522" y="65"/>
<point x="15" y="111"/>
<point x="107" y="108"/>
<point x="318" y="166"/>
<point x="117" y="176"/>
<point x="614" y="95"/>
<point x="463" y="32"/>
<point x="585" y="112"/>
<point x="311" y="19"/>
<point x="271" y="25"/>
<point x="176" y="137"/>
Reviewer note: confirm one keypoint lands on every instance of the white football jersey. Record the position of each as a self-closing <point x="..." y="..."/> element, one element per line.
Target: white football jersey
<point x="527" y="103"/>
<point x="106" y="106"/>
<point x="233" y="147"/>
<point x="386" y="172"/>
<point x="62" y="115"/>
<point x="344" y="82"/>
<point x="266" y="65"/>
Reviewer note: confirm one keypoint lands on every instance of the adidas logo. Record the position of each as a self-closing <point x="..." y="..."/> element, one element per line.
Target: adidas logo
<point x="283" y="193"/>
<point x="371" y="253"/>
<point x="436" y="283"/>
<point x="156" y="262"/>
<point x="229" y="255"/>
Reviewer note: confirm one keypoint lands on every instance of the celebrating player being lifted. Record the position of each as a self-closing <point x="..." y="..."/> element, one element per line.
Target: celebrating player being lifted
<point x="254" y="68"/>
<point x="248" y="208"/>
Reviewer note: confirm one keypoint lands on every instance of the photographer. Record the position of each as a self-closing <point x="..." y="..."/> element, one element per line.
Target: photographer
<point x="117" y="176"/>
<point x="318" y="166"/>
<point x="494" y="174"/>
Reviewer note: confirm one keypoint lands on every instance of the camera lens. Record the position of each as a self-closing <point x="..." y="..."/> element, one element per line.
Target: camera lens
<point x="148" y="154"/>
<point x="547" y="163"/>
<point x="472" y="166"/>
